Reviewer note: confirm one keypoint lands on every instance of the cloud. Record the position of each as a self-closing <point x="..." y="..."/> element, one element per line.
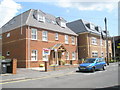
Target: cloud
<point x="8" y="9"/>
<point x="98" y="6"/>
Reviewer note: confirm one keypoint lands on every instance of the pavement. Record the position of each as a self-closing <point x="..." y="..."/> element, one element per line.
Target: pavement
<point x="25" y="73"/>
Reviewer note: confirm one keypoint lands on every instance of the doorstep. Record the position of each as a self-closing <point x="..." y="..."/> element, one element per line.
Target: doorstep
<point x="38" y="68"/>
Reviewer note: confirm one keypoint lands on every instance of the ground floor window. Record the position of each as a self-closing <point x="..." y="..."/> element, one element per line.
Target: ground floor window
<point x="34" y="55"/>
<point x="102" y="54"/>
<point x="67" y="55"/>
<point x="94" y="54"/>
<point x="45" y="54"/>
<point x="73" y="55"/>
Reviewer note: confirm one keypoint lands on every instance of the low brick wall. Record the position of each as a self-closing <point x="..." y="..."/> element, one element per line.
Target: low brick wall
<point x="53" y="68"/>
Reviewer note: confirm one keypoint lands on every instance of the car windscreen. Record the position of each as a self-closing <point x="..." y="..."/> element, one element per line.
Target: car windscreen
<point x="91" y="60"/>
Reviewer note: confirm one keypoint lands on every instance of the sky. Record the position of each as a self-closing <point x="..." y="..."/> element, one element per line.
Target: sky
<point x="93" y="11"/>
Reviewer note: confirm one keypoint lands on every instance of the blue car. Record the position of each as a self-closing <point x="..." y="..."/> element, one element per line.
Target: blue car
<point x="93" y="64"/>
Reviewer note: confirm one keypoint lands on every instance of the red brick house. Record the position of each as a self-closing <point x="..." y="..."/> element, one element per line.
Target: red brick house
<point x="91" y="39"/>
<point x="34" y="37"/>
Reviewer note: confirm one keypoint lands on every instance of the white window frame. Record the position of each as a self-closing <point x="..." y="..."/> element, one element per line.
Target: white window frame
<point x="63" y="24"/>
<point x="8" y="53"/>
<point x="33" y="34"/>
<point x="102" y="54"/>
<point x="66" y="39"/>
<point x="67" y="55"/>
<point x="73" y="40"/>
<point x="73" y="56"/>
<point x="44" y="57"/>
<point x="94" y="54"/>
<point x="44" y="36"/>
<point x="40" y="18"/>
<point x="92" y="27"/>
<point x="8" y="34"/>
<point x="101" y="42"/>
<point x="34" y="56"/>
<point x="56" y="36"/>
<point x="94" y="41"/>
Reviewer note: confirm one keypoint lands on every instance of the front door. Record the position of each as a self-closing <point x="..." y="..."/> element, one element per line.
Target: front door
<point x="59" y="57"/>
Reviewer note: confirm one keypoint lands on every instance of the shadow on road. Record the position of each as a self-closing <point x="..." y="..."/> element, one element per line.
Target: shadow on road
<point x="87" y="71"/>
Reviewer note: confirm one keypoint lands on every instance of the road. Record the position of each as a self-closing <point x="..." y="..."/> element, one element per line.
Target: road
<point x="72" y="79"/>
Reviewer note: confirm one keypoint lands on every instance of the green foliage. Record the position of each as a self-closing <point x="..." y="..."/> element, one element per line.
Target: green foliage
<point x="2" y="57"/>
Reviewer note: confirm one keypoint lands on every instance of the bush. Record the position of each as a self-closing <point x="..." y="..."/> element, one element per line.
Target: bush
<point x="2" y="57"/>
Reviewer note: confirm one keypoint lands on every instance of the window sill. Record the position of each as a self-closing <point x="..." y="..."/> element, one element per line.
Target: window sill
<point x="34" y="60"/>
<point x="66" y="43"/>
<point x="94" y="44"/>
<point x="34" y="39"/>
<point x="44" y="41"/>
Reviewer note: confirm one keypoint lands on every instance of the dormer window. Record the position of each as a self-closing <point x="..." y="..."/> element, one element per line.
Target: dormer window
<point x="98" y="28"/>
<point x="40" y="18"/>
<point x="92" y="27"/>
<point x="63" y="24"/>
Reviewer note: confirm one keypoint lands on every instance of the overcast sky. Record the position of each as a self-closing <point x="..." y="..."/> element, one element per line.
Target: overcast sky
<point x="70" y="10"/>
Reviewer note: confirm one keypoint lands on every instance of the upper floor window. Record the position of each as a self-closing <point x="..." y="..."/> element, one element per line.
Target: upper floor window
<point x="73" y="55"/>
<point x="45" y="36"/>
<point x="34" y="55"/>
<point x="8" y="34"/>
<point x="34" y="34"/>
<point x="94" y="40"/>
<point x="101" y="42"/>
<point x="66" y="39"/>
<point x="92" y="27"/>
<point x="40" y="18"/>
<point x="56" y="36"/>
<point x="73" y="40"/>
<point x="63" y="24"/>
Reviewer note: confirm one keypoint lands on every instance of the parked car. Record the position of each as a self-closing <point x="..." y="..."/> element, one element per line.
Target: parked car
<point x="92" y="64"/>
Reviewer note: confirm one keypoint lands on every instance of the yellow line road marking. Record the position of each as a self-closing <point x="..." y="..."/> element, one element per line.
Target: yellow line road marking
<point x="57" y="75"/>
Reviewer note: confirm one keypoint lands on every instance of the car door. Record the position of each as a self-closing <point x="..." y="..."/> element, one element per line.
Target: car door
<point x="97" y="64"/>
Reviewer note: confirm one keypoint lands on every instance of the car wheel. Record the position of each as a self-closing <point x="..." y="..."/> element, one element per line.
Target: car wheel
<point x="104" y="67"/>
<point x="93" y="69"/>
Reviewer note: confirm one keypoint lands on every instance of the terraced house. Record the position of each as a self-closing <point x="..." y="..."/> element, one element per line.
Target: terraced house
<point x="34" y="37"/>
<point x="91" y="39"/>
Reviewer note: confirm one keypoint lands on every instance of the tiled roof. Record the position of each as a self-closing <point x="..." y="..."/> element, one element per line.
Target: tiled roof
<point x="80" y="26"/>
<point x="27" y="18"/>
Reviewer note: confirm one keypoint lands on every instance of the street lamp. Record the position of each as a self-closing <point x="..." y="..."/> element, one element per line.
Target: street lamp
<point x="107" y="52"/>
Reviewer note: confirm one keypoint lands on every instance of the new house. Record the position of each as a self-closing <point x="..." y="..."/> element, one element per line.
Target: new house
<point x="91" y="39"/>
<point x="35" y="36"/>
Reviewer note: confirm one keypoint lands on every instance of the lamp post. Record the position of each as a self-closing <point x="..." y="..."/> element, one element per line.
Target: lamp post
<point x="107" y="52"/>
